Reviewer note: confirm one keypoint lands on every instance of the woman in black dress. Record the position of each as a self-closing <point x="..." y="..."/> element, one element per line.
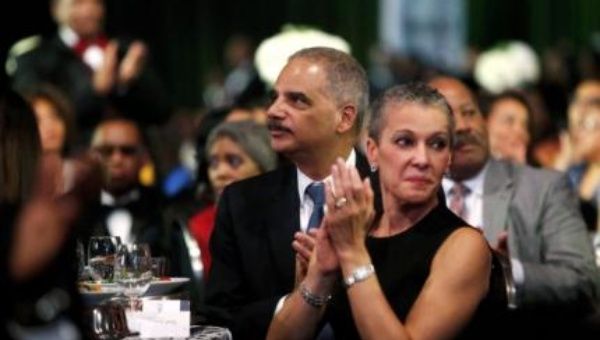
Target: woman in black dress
<point x="415" y="272"/>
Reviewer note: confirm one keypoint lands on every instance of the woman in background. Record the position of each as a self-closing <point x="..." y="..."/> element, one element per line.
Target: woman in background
<point x="509" y="118"/>
<point x="38" y="293"/>
<point x="234" y="151"/>
<point x="54" y="116"/>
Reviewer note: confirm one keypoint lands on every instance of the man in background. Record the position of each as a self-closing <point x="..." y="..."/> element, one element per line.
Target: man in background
<point x="528" y="215"/>
<point x="96" y="72"/>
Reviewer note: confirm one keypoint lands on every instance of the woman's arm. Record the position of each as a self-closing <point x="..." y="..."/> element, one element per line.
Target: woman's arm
<point x="458" y="281"/>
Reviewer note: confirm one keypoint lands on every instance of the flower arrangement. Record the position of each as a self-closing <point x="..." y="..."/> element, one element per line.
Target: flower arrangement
<point x="509" y="65"/>
<point x="272" y="54"/>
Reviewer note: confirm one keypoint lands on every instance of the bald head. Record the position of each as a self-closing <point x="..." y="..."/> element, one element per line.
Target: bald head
<point x="471" y="144"/>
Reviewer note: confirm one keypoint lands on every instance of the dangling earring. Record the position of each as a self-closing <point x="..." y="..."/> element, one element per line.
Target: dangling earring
<point x="373" y="167"/>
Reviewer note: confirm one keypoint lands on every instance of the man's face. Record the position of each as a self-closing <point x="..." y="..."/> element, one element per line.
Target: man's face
<point x="118" y="146"/>
<point x="471" y="142"/>
<point x="303" y="117"/>
<point x="85" y="17"/>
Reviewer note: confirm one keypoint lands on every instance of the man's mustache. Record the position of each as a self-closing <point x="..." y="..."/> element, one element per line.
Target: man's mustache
<point x="466" y="138"/>
<point x="275" y="125"/>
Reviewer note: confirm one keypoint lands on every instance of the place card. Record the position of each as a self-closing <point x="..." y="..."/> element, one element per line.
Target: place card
<point x="161" y="319"/>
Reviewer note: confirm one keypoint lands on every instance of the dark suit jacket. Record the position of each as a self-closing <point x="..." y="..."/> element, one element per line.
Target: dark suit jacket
<point x="149" y="225"/>
<point x="253" y="260"/>
<point x="55" y="63"/>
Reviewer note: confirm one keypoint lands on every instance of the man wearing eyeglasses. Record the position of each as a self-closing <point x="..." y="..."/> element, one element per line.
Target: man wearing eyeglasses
<point x="125" y="207"/>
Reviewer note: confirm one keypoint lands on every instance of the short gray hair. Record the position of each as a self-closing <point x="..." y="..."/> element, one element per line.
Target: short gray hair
<point x="251" y="137"/>
<point x="347" y="78"/>
<point x="418" y="93"/>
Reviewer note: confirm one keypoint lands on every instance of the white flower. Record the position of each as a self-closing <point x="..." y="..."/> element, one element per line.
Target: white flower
<point x="508" y="66"/>
<point x="272" y="54"/>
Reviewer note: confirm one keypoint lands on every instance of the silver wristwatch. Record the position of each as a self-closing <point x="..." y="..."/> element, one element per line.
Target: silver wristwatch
<point x="359" y="274"/>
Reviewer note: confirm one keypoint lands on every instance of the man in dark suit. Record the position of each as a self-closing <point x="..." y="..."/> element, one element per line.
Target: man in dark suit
<point x="529" y="215"/>
<point x="125" y="208"/>
<point x="316" y="115"/>
<point x="95" y="72"/>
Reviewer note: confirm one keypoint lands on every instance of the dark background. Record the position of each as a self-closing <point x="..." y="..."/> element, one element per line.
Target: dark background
<point x="186" y="37"/>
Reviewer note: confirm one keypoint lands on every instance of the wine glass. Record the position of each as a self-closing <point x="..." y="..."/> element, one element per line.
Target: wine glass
<point x="101" y="257"/>
<point x="133" y="271"/>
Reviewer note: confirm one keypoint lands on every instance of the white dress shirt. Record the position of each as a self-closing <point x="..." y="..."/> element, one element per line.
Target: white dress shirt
<point x="474" y="212"/>
<point x="474" y="198"/>
<point x="119" y="222"/>
<point x="307" y="205"/>
<point x="93" y="56"/>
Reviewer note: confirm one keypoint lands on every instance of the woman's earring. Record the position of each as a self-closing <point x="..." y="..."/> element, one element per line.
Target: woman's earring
<point x="373" y="167"/>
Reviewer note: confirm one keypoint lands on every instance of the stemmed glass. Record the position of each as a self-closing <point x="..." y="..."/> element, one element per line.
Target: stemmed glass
<point x="101" y="257"/>
<point x="133" y="271"/>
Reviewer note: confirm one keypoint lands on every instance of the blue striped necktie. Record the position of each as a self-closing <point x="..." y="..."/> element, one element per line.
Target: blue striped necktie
<point x="316" y="192"/>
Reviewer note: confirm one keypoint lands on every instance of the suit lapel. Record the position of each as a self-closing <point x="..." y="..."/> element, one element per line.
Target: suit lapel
<point x="283" y="217"/>
<point x="282" y="221"/>
<point x="497" y="192"/>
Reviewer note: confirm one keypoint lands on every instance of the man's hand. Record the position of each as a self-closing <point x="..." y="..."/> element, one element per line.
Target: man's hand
<point x="502" y="243"/>
<point x="133" y="63"/>
<point x="303" y="244"/>
<point x="105" y="76"/>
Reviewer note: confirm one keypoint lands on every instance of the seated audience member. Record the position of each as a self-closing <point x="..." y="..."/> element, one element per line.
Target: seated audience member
<point x="585" y="176"/>
<point x="124" y="207"/>
<point x="38" y="271"/>
<point x="234" y="151"/>
<point x="318" y="106"/>
<point x="529" y="215"/>
<point x="54" y="115"/>
<point x="93" y="70"/>
<point x="586" y="91"/>
<point x="415" y="271"/>
<point x="508" y="118"/>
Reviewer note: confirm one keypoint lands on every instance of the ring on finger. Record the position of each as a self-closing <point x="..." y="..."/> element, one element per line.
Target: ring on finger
<point x="340" y="202"/>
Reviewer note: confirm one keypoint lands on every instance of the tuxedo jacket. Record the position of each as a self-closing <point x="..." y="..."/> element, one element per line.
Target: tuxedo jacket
<point x="253" y="260"/>
<point x="546" y="234"/>
<point x="55" y="63"/>
<point x="148" y="223"/>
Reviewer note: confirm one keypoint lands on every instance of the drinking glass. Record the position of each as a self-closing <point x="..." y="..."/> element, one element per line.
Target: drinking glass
<point x="159" y="267"/>
<point x="101" y="257"/>
<point x="133" y="271"/>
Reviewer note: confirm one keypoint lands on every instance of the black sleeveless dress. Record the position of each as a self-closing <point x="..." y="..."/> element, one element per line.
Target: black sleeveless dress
<point x="402" y="263"/>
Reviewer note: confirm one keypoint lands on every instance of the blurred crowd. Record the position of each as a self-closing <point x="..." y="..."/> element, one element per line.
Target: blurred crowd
<point x="91" y="146"/>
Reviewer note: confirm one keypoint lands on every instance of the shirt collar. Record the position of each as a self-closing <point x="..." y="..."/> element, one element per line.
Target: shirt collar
<point x="68" y="36"/>
<point x="107" y="199"/>
<point x="475" y="183"/>
<point x="304" y="181"/>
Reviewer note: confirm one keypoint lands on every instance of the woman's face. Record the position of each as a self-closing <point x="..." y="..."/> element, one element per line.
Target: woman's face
<point x="507" y="126"/>
<point x="51" y="127"/>
<point x="227" y="163"/>
<point x="412" y="153"/>
<point x="587" y="147"/>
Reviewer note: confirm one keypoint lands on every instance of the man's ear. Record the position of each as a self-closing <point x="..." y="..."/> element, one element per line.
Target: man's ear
<point x="348" y="117"/>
